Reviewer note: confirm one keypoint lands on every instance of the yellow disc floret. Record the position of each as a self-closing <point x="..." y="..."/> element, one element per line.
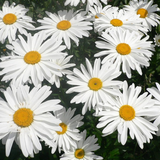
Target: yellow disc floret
<point x="23" y="117"/>
<point x="127" y="112"/>
<point x="116" y="22"/>
<point x="95" y="84"/>
<point x="123" y="49"/>
<point x="64" y="128"/>
<point x="96" y="16"/>
<point x="64" y="25"/>
<point x="142" y="12"/>
<point x="79" y="153"/>
<point x="9" y="18"/>
<point x="32" y="57"/>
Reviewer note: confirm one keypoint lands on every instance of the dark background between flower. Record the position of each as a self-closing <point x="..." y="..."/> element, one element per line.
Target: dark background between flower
<point x="110" y="148"/>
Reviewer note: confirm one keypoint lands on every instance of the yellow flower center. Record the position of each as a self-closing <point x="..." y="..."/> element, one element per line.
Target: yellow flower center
<point x="64" y="128"/>
<point x="9" y="18"/>
<point x="23" y="117"/>
<point x="96" y="16"/>
<point x="123" y="49"/>
<point x="95" y="84"/>
<point x="127" y="112"/>
<point x="32" y="57"/>
<point x="79" y="153"/>
<point x="64" y="25"/>
<point x="143" y="12"/>
<point x="159" y="40"/>
<point x="116" y="22"/>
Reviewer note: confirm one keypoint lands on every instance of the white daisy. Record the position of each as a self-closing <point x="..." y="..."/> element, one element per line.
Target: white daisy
<point x="63" y="63"/>
<point x="31" y="59"/>
<point x="156" y="94"/>
<point x="89" y="2"/>
<point x="66" y="139"/>
<point x="128" y="113"/>
<point x="125" y="48"/>
<point x="157" y="40"/>
<point x="97" y="9"/>
<point x="13" y="19"/>
<point x="94" y="85"/>
<point x="83" y="150"/>
<point x="146" y="10"/>
<point x="66" y="25"/>
<point x="116" y="18"/>
<point x="25" y="118"/>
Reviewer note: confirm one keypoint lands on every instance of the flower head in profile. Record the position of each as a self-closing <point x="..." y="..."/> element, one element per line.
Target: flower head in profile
<point x="66" y="139"/>
<point x="97" y="9"/>
<point x="84" y="149"/>
<point x="127" y="115"/>
<point x="25" y="118"/>
<point x="116" y="19"/>
<point x="13" y="19"/>
<point x="155" y="91"/>
<point x="125" y="49"/>
<point x="94" y="84"/>
<point x="89" y="2"/>
<point x="63" y="62"/>
<point x="31" y="60"/>
<point x="157" y="40"/>
<point x="66" y="25"/>
<point x="146" y="10"/>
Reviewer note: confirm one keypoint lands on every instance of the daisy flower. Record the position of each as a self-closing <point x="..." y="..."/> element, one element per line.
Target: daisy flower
<point x="83" y="150"/>
<point x="66" y="25"/>
<point x="97" y="9"/>
<point x="26" y="119"/>
<point x="94" y="85"/>
<point x="13" y="20"/>
<point x="146" y="10"/>
<point x="128" y="113"/>
<point x="157" y="40"/>
<point x="66" y="139"/>
<point x="156" y="94"/>
<point x="126" y="49"/>
<point x="89" y="2"/>
<point x="63" y="63"/>
<point x="116" y="18"/>
<point x="31" y="59"/>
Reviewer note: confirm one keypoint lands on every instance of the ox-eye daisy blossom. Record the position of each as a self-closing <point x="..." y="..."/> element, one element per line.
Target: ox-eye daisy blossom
<point x="25" y="118"/>
<point x="66" y="139"/>
<point x="126" y="49"/>
<point x="66" y="25"/>
<point x="156" y="94"/>
<point x="157" y="40"/>
<point x="89" y="2"/>
<point x="31" y="59"/>
<point x="63" y="63"/>
<point x="116" y="18"/>
<point x="94" y="85"/>
<point x="146" y="10"/>
<point x="83" y="150"/>
<point x="97" y="9"/>
<point x="128" y="113"/>
<point x="13" y="19"/>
